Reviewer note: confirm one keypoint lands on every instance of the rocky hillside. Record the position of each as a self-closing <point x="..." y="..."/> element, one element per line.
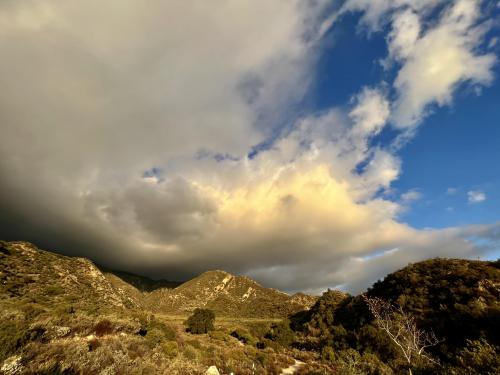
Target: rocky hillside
<point x="26" y="271"/>
<point x="230" y="295"/>
<point x="65" y="315"/>
<point x="29" y="274"/>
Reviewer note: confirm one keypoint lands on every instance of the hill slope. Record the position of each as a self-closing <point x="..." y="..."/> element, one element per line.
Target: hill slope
<point x="63" y="315"/>
<point x="457" y="299"/>
<point x="44" y="276"/>
<point x="230" y="295"/>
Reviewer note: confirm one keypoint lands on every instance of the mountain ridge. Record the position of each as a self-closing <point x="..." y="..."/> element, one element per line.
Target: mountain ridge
<point x="226" y="294"/>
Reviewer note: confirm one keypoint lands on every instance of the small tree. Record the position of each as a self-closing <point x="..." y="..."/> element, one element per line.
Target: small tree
<point x="400" y="326"/>
<point x="201" y="321"/>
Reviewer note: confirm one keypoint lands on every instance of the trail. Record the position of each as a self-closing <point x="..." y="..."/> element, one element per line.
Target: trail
<point x="293" y="368"/>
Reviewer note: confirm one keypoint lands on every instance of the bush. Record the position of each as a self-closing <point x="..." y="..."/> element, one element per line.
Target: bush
<point x="281" y="333"/>
<point x="13" y="335"/>
<point x="166" y="330"/>
<point x="218" y="335"/>
<point x="104" y="327"/>
<point x="191" y="353"/>
<point x="244" y="336"/>
<point x="480" y="357"/>
<point x="154" y="337"/>
<point x="170" y="349"/>
<point x="202" y="321"/>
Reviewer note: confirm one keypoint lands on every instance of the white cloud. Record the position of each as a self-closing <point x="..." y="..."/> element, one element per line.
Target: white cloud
<point x="434" y="58"/>
<point x="433" y="65"/>
<point x="404" y="34"/>
<point x="451" y="191"/>
<point x="189" y="89"/>
<point x="411" y="196"/>
<point x="476" y="196"/>
<point x="377" y="12"/>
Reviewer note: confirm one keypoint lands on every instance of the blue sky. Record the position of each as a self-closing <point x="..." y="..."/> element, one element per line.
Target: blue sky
<point x="307" y="144"/>
<point x="456" y="148"/>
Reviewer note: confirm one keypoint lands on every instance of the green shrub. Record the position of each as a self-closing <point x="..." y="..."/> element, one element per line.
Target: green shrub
<point x="244" y="336"/>
<point x="194" y="343"/>
<point x="218" y="335"/>
<point x="327" y="354"/>
<point x="202" y="321"/>
<point x="190" y="353"/>
<point x="14" y="335"/>
<point x="281" y="333"/>
<point x="154" y="337"/>
<point x="480" y="357"/>
<point x="170" y="349"/>
<point x="166" y="330"/>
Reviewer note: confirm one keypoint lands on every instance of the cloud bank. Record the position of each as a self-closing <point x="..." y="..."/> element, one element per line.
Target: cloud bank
<point x="128" y="141"/>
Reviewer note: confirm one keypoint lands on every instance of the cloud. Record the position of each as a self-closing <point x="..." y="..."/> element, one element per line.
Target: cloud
<point x="451" y="191"/>
<point x="376" y="12"/>
<point x="476" y="196"/>
<point x="411" y="196"/>
<point x="128" y="142"/>
<point x="433" y="58"/>
<point x="434" y="64"/>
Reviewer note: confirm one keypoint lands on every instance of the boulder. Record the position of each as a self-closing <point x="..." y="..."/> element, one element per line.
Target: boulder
<point x="212" y="370"/>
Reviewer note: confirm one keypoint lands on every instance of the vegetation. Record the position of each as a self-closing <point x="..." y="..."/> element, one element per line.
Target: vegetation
<point x="64" y="315"/>
<point x="450" y="307"/>
<point x="202" y="321"/>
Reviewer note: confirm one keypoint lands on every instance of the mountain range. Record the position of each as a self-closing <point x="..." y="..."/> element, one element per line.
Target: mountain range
<point x="27" y="270"/>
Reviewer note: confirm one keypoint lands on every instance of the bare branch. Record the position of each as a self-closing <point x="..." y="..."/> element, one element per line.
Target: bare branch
<point x="402" y="329"/>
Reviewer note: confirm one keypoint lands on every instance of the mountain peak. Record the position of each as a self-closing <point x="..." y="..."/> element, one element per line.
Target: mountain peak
<point x="218" y="290"/>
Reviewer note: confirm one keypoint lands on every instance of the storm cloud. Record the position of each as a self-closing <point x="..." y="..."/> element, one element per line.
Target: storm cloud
<point x="129" y="133"/>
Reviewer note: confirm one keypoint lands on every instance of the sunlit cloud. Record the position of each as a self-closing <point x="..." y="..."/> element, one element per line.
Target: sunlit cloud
<point x="134" y="141"/>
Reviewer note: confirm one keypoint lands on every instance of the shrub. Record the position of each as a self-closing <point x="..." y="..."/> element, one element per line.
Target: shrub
<point x="244" y="336"/>
<point x="103" y="327"/>
<point x="13" y="335"/>
<point x="218" y="335"/>
<point x="190" y="353"/>
<point x="166" y="330"/>
<point x="281" y="333"/>
<point x="170" y="349"/>
<point x="54" y="290"/>
<point x="202" y="321"/>
<point x="154" y="337"/>
<point x="480" y="357"/>
<point x="93" y="345"/>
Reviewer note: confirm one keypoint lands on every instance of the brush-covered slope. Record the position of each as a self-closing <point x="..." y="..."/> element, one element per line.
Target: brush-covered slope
<point x="230" y="295"/>
<point x="30" y="274"/>
<point x="63" y="315"/>
<point x="457" y="299"/>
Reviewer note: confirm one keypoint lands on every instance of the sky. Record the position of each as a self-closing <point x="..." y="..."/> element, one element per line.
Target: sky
<point x="309" y="144"/>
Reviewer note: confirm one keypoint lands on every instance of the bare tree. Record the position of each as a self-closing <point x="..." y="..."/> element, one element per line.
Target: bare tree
<point x="402" y="329"/>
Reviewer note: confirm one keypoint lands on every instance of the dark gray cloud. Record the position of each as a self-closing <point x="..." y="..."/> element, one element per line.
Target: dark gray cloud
<point x="94" y="95"/>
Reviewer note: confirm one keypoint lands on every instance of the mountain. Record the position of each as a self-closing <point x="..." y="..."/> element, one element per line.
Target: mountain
<point x="26" y="271"/>
<point x="65" y="315"/>
<point x="229" y="295"/>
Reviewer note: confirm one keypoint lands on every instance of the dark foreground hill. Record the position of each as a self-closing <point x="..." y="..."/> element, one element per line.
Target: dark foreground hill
<point x="458" y="300"/>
